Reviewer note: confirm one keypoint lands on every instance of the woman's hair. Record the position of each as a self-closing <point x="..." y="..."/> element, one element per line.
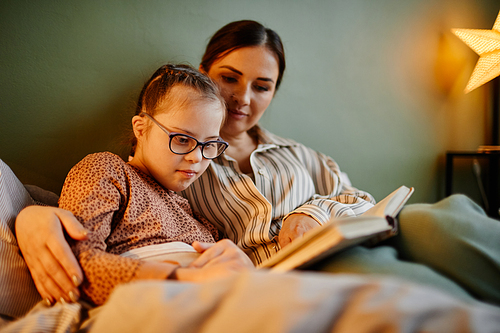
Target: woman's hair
<point x="156" y="91"/>
<point x="239" y="34"/>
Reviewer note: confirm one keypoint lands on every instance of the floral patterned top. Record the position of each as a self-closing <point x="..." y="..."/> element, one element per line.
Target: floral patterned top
<point x="124" y="209"/>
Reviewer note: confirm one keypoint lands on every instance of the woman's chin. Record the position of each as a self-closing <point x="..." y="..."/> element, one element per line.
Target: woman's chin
<point x="233" y="128"/>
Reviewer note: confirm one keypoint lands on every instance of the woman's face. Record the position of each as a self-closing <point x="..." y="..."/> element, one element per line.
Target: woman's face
<point x="247" y="77"/>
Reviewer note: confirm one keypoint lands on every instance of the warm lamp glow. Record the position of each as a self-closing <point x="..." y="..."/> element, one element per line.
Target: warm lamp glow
<point x="486" y="43"/>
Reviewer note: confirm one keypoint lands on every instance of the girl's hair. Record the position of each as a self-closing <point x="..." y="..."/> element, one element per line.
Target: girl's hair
<point x="157" y="90"/>
<point x="239" y="34"/>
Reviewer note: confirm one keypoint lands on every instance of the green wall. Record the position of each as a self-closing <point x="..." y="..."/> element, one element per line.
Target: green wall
<point x="375" y="84"/>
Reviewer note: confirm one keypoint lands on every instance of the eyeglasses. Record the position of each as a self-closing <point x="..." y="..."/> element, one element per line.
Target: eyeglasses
<point x="182" y="144"/>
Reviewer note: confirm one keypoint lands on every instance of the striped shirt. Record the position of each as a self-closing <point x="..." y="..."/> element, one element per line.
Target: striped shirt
<point x="288" y="178"/>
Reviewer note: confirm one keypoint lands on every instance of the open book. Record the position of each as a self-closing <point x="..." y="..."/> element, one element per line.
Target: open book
<point x="376" y="224"/>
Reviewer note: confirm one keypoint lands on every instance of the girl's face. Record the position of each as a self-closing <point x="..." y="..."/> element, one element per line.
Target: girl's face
<point x="189" y="114"/>
<point x="247" y="78"/>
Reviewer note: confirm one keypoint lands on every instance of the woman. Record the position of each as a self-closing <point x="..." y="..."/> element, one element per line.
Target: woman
<point x="286" y="180"/>
<point x="235" y="193"/>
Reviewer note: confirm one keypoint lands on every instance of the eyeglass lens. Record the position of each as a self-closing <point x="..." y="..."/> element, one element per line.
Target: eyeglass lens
<point x="182" y="144"/>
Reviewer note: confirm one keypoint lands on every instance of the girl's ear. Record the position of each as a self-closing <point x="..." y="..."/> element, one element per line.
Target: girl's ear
<point x="139" y="125"/>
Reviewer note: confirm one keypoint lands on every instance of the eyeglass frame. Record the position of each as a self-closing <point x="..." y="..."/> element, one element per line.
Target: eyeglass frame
<point x="198" y="143"/>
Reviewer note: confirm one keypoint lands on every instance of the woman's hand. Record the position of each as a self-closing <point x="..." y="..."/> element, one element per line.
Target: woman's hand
<point x="216" y="260"/>
<point x="295" y="226"/>
<point x="53" y="266"/>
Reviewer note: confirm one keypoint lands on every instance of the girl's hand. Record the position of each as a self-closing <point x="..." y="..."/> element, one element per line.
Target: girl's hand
<point x="216" y="260"/>
<point x="295" y="226"/>
<point x="51" y="262"/>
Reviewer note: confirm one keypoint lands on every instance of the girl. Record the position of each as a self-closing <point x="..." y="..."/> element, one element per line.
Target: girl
<point x="131" y="205"/>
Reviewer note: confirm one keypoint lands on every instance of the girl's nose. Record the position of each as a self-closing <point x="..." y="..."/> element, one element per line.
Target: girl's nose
<point x="195" y="156"/>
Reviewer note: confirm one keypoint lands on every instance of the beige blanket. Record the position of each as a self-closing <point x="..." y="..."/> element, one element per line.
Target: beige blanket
<point x="292" y="302"/>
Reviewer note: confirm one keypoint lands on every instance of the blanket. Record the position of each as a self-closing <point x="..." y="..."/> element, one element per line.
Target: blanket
<point x="265" y="302"/>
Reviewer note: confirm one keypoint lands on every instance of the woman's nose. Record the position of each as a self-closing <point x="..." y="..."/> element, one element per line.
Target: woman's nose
<point x="242" y="95"/>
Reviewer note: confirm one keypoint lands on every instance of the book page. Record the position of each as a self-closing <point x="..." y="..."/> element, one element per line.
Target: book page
<point x="320" y="245"/>
<point x="391" y="204"/>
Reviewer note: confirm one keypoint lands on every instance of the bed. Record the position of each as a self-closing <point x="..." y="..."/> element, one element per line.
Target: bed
<point x="256" y="301"/>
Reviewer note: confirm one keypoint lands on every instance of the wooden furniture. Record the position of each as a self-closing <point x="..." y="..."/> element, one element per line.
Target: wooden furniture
<point x="489" y="177"/>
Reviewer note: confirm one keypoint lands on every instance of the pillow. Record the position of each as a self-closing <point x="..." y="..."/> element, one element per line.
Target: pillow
<point x="18" y="293"/>
<point x="42" y="197"/>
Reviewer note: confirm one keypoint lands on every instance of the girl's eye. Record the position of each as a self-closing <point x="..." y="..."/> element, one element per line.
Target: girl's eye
<point x="229" y="79"/>
<point x="181" y="140"/>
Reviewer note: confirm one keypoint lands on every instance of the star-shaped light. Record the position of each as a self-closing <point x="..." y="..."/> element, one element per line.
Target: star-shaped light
<point x="486" y="43"/>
